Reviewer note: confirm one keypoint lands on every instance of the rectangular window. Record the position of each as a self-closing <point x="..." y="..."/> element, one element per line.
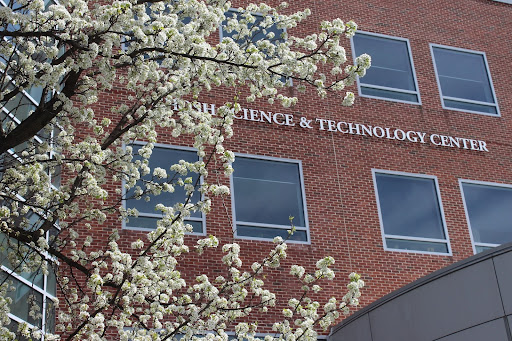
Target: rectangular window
<point x="164" y="157"/>
<point x="30" y="288"/>
<point x="391" y="75"/>
<point x="464" y="80"/>
<point x="488" y="211"/>
<point x="30" y="292"/>
<point x="256" y="29"/>
<point x="154" y="15"/>
<point x="410" y="212"/>
<point x="266" y="192"/>
<point x="15" y="155"/>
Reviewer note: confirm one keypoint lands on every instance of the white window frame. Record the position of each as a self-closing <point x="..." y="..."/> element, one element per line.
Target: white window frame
<point x="483" y="183"/>
<point x="10" y="115"/>
<point x="505" y="1"/>
<point x="155" y="215"/>
<point x="462" y="100"/>
<point x="43" y="291"/>
<point x="378" y="87"/>
<point x="441" y="211"/>
<point x="10" y="273"/>
<point x="284" y="227"/>
<point x="36" y="138"/>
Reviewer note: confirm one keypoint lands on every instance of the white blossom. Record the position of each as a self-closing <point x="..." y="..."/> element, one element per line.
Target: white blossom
<point x="159" y="58"/>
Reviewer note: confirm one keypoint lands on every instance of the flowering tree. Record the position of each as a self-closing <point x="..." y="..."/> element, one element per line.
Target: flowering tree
<point x="60" y="150"/>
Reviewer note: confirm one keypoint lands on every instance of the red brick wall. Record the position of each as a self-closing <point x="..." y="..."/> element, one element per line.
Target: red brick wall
<point x="340" y="195"/>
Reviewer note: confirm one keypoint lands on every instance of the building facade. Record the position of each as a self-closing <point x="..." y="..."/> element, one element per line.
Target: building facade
<point x="416" y="176"/>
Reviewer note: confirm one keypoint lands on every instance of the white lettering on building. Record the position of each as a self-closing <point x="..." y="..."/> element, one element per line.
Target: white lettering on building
<point x="344" y="127"/>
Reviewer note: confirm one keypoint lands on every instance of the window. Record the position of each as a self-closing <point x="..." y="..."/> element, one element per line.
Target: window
<point x="164" y="157"/>
<point x="266" y="192"/>
<point x="410" y="212"/>
<point x="13" y="113"/>
<point x="256" y="32"/>
<point x="17" y="109"/>
<point x="464" y="80"/>
<point x="154" y="11"/>
<point x="258" y="29"/>
<point x="391" y="75"/>
<point x="32" y="290"/>
<point x="489" y="213"/>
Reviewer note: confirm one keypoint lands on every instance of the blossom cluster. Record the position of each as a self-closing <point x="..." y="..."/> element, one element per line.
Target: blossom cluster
<point x="60" y="156"/>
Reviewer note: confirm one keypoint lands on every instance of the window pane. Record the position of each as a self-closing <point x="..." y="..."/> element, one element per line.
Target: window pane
<point x="490" y="212"/>
<point x="471" y="107"/>
<point x="482" y="248"/>
<point x="163" y="158"/>
<point x="13" y="327"/>
<point x="463" y="75"/>
<point x="401" y="96"/>
<point x="265" y="232"/>
<point x="35" y="92"/>
<point x="416" y="245"/>
<point x="150" y="223"/>
<point x="391" y="63"/>
<point x="50" y="316"/>
<point x="267" y="192"/>
<point x="29" y="221"/>
<point x="20" y="106"/>
<point x="409" y="206"/>
<point x="258" y="34"/>
<point x="37" y="277"/>
<point x="24" y="299"/>
<point x="55" y="176"/>
<point x="48" y="3"/>
<point x="51" y="282"/>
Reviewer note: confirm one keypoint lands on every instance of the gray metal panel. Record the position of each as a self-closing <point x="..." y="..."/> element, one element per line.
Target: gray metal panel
<point x="490" y="331"/>
<point x="358" y="330"/>
<point x="441" y="307"/>
<point x="503" y="265"/>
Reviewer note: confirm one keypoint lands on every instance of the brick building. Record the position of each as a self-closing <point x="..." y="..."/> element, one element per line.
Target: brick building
<point x="415" y="176"/>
